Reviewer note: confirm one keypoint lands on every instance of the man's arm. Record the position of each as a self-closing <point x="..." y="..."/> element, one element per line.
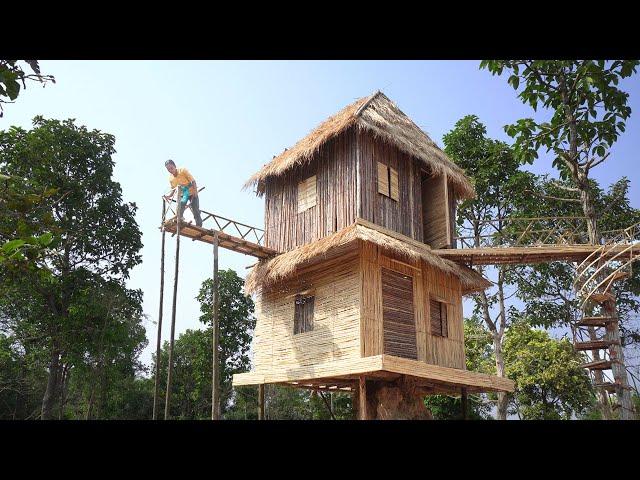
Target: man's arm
<point x="193" y="182"/>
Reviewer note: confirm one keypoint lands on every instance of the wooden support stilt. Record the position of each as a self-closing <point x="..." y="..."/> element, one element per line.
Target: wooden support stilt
<point x="362" y="398"/>
<point x="158" y="343"/>
<point x="465" y="404"/>
<point x="215" y="381"/>
<point x="173" y="314"/>
<point x="261" y="401"/>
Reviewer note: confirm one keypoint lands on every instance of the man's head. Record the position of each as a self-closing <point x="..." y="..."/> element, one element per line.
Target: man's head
<point x="171" y="166"/>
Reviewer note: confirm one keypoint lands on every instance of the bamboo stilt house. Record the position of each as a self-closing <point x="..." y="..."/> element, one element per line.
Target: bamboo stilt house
<point x="357" y="299"/>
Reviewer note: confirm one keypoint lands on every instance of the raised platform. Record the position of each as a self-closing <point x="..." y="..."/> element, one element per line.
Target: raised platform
<point x="225" y="240"/>
<point x="343" y="375"/>
<point x="528" y="255"/>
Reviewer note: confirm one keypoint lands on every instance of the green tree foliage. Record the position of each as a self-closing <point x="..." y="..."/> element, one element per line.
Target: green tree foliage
<point x="13" y="74"/>
<point x="236" y="327"/>
<point x="192" y="377"/>
<point x="547" y="289"/>
<point x="587" y="108"/>
<point x="479" y="358"/>
<point x="80" y="317"/>
<point x="550" y="382"/>
<point x="482" y="222"/>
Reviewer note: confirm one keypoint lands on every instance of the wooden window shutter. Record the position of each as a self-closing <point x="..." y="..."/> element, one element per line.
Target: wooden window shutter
<point x="398" y="316"/>
<point x="303" y="314"/>
<point x="307" y="194"/>
<point x="383" y="179"/>
<point x="438" y="318"/>
<point x="393" y="187"/>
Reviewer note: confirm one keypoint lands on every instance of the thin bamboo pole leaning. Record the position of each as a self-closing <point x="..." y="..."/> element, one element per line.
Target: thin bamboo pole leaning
<point x="158" y="344"/>
<point x="173" y="312"/>
<point x="215" y="380"/>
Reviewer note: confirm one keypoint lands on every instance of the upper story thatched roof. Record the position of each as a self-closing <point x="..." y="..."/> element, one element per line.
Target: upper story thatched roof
<point x="380" y="116"/>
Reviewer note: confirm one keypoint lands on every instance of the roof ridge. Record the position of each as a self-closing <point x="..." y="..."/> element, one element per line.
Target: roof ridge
<point x="367" y="103"/>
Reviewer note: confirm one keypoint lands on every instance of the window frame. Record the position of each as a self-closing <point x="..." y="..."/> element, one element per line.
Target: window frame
<point x="444" y="320"/>
<point x="303" y="317"/>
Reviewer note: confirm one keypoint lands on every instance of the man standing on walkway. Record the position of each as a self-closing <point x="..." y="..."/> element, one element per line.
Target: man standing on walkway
<point x="187" y="189"/>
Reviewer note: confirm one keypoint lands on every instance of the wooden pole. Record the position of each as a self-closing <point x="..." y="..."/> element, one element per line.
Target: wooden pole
<point x="465" y="404"/>
<point x="261" y="401"/>
<point x="215" y="390"/>
<point x="158" y="343"/>
<point x="173" y="311"/>
<point x="362" y="398"/>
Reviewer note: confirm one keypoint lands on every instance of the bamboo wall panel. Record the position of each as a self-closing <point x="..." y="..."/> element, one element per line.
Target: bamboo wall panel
<point x="452" y="215"/>
<point x="445" y="351"/>
<point x="371" y="300"/>
<point x="336" y="319"/>
<point x="398" y="316"/>
<point x="429" y="283"/>
<point x="334" y="167"/>
<point x="435" y="214"/>
<point x="402" y="212"/>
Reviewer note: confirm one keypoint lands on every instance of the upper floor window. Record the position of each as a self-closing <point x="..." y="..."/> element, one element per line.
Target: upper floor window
<point x="388" y="181"/>
<point x="307" y="194"/>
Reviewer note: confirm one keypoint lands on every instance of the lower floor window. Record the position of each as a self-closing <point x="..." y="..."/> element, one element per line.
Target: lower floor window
<point x="303" y="316"/>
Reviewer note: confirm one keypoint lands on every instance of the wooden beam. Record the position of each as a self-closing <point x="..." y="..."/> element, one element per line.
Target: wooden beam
<point x="215" y="384"/>
<point x="261" y="401"/>
<point x="465" y="404"/>
<point x="363" y="413"/>
<point x="355" y="367"/>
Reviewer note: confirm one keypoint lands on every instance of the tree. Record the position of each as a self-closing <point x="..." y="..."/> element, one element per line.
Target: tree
<point x="550" y="382"/>
<point x="588" y="114"/>
<point x="499" y="184"/>
<point x="13" y="73"/>
<point x="479" y="358"/>
<point x="97" y="240"/>
<point x="236" y="326"/>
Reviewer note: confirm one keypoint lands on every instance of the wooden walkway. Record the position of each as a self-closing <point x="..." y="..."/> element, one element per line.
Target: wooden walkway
<point x="230" y="242"/>
<point x="527" y="255"/>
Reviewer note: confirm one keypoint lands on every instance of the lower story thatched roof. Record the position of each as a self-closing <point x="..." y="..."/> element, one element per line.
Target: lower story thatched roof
<point x="268" y="273"/>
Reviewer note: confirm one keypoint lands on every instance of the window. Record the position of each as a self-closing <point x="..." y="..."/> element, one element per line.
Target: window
<point x="388" y="181"/>
<point x="438" y="314"/>
<point x="303" y="316"/>
<point x="307" y="194"/>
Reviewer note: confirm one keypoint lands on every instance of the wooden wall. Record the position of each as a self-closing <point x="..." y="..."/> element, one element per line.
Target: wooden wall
<point x="402" y="216"/>
<point x="346" y="170"/>
<point x="427" y="283"/>
<point x="336" y="323"/>
<point x="335" y="167"/>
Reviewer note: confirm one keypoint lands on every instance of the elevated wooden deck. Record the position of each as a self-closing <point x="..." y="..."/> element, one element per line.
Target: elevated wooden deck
<point x="343" y="375"/>
<point x="528" y="254"/>
<point x="230" y="242"/>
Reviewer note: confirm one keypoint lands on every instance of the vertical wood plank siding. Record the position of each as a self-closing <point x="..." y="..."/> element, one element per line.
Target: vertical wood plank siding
<point x="398" y="317"/>
<point x="403" y="215"/>
<point x="336" y="207"/>
<point x="337" y="166"/>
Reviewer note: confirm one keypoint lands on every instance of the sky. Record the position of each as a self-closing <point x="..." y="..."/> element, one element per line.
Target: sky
<point x="224" y="119"/>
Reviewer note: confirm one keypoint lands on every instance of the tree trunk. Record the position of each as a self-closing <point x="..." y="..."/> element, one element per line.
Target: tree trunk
<point x="580" y="177"/>
<point x="503" y="399"/>
<point x="382" y="400"/>
<point x="53" y="379"/>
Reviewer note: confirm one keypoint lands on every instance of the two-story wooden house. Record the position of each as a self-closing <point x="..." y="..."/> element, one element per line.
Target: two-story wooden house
<point x="356" y="300"/>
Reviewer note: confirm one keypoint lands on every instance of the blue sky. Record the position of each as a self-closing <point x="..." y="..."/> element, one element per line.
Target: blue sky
<point x="224" y="119"/>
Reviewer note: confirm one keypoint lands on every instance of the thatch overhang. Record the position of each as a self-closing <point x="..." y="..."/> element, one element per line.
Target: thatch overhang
<point x="268" y="273"/>
<point x="382" y="117"/>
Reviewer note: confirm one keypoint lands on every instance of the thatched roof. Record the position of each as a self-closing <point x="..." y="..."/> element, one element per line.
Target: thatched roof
<point x="380" y="116"/>
<point x="269" y="272"/>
